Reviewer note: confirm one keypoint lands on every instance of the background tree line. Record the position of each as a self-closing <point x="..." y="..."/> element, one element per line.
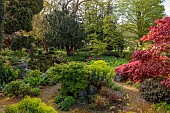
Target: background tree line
<point x="73" y="24"/>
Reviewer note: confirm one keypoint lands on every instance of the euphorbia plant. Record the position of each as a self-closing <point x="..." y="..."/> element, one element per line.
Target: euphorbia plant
<point x="153" y="62"/>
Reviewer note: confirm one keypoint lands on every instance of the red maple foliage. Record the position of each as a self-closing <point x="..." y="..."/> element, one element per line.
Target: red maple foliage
<point x="153" y="62"/>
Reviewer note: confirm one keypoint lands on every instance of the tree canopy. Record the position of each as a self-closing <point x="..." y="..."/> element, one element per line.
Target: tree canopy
<point x="18" y="14"/>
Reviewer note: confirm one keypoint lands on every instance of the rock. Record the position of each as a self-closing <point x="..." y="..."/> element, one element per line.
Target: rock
<point x="22" y="66"/>
<point x="93" y="90"/>
<point x="83" y="93"/>
<point x="42" y="75"/>
<point x="57" y="60"/>
<point x="119" y="78"/>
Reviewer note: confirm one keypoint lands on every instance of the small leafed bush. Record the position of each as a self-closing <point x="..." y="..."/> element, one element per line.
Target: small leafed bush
<point x="33" y="78"/>
<point x="116" y="97"/>
<point x="7" y="73"/>
<point x="35" y="92"/>
<point x="66" y="103"/>
<point x="29" y="105"/>
<point x="105" y="91"/>
<point x="100" y="102"/>
<point x="162" y="107"/>
<point x="22" y="42"/>
<point x="20" y="88"/>
<point x="72" y="76"/>
<point x="58" y="99"/>
<point x="113" y="61"/>
<point x="153" y="91"/>
<point x="100" y="74"/>
<point x="41" y="62"/>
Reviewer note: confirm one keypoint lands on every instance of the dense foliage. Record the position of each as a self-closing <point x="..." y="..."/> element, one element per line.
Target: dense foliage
<point x="7" y="73"/>
<point x="72" y="76"/>
<point x="64" y="31"/>
<point x="22" y="42"/>
<point x="100" y="74"/>
<point x="66" y="103"/>
<point x="17" y="88"/>
<point x="33" y="78"/>
<point x="19" y="14"/>
<point x="33" y="105"/>
<point x="153" y="62"/>
<point x="153" y="91"/>
<point x="162" y="107"/>
<point x="68" y="50"/>
<point x="136" y="17"/>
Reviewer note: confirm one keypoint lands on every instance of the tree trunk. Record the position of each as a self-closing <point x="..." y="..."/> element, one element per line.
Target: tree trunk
<point x="45" y="45"/>
<point x="1" y="22"/>
<point x="69" y="50"/>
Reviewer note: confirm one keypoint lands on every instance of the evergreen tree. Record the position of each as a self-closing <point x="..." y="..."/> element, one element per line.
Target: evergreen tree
<point x="64" y="31"/>
<point x="18" y="15"/>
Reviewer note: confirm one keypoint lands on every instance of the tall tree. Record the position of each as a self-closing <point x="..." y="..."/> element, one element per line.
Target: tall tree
<point x="139" y="15"/>
<point x="18" y="15"/>
<point x="101" y="24"/>
<point x="64" y="30"/>
<point x="113" y="37"/>
<point x="1" y="21"/>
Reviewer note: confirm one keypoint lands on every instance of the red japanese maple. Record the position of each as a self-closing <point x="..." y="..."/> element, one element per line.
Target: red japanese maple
<point x="153" y="62"/>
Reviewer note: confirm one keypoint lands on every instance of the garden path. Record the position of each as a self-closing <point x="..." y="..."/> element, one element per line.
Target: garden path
<point x="136" y="104"/>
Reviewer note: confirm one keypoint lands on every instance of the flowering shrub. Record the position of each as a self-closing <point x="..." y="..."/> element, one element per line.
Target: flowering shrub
<point x="153" y="62"/>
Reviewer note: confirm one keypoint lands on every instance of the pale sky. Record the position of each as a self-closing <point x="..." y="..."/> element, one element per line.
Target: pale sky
<point x="167" y="7"/>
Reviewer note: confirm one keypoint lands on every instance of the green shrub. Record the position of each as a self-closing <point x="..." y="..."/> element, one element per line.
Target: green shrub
<point x="162" y="107"/>
<point x="53" y="74"/>
<point x="100" y="74"/>
<point x="129" y="82"/>
<point x="80" y="56"/>
<point x="84" y="49"/>
<point x="29" y="105"/>
<point x="13" y="57"/>
<point x="7" y="73"/>
<point x="33" y="78"/>
<point x="153" y="91"/>
<point x="41" y="62"/>
<point x="72" y="76"/>
<point x="117" y="88"/>
<point x="66" y="104"/>
<point x="126" y="54"/>
<point x="35" y="91"/>
<point x="12" y="108"/>
<point x="18" y="88"/>
<point x="113" y="61"/>
<point x="137" y="84"/>
<point x="58" y="99"/>
<point x="22" y="42"/>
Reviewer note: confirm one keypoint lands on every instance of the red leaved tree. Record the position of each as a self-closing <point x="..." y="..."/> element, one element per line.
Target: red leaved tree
<point x="153" y="62"/>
